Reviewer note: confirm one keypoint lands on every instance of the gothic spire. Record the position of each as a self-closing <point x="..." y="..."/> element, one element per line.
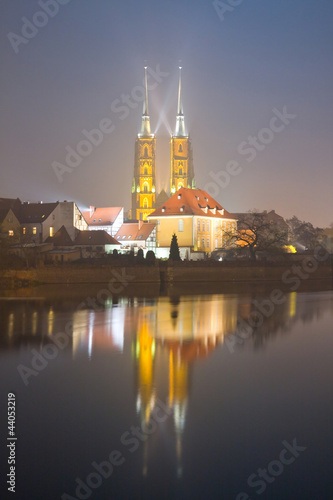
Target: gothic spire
<point x="180" y="123"/>
<point x="145" y="124"/>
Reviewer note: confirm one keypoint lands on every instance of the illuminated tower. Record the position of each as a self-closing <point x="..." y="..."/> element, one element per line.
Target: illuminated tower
<point x="182" y="173"/>
<point x="143" y="188"/>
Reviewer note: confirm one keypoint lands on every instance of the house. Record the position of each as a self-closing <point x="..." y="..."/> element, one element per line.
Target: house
<point x="41" y="220"/>
<point x="135" y="235"/>
<point x="108" y="219"/>
<point x="196" y="218"/>
<point x="10" y="226"/>
<point x="86" y="244"/>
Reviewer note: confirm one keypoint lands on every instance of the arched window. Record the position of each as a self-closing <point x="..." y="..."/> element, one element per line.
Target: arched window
<point x="180" y="225"/>
<point x="145" y="172"/>
<point x="145" y="187"/>
<point x="180" y="171"/>
<point x="180" y="149"/>
<point x="203" y="226"/>
<point x="146" y="151"/>
<point x="145" y="203"/>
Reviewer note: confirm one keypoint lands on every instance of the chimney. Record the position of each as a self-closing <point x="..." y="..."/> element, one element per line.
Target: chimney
<point x="91" y="210"/>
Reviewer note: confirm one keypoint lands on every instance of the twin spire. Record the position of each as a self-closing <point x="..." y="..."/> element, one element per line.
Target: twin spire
<point x="180" y="122"/>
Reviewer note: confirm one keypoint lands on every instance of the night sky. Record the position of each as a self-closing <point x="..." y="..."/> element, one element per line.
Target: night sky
<point x="238" y="67"/>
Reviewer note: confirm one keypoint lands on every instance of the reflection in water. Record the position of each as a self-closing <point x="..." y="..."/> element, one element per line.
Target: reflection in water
<point x="167" y="336"/>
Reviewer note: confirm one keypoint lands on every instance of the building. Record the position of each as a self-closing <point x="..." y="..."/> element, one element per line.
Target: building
<point x="135" y="235"/>
<point x="108" y="219"/>
<point x="41" y="220"/>
<point x="86" y="244"/>
<point x="144" y="181"/>
<point x="182" y="172"/>
<point x="196" y="218"/>
<point x="10" y="226"/>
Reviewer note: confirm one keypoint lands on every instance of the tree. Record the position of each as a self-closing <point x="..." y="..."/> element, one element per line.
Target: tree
<point x="304" y="233"/>
<point x="255" y="231"/>
<point x="150" y="257"/>
<point x="174" y="249"/>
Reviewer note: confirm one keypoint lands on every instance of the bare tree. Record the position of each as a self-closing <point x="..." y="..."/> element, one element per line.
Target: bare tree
<point x="256" y="232"/>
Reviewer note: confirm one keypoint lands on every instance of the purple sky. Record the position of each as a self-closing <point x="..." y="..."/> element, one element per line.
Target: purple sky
<point x="263" y="55"/>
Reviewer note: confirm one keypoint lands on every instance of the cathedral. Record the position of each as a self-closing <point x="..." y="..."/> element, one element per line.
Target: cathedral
<point x="144" y="197"/>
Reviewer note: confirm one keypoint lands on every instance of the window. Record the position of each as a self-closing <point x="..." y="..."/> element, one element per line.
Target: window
<point x="208" y="243"/>
<point x="145" y="171"/>
<point x="145" y="187"/>
<point x="180" y="225"/>
<point x="199" y="225"/>
<point x="216" y="243"/>
<point x="180" y="172"/>
<point x="146" y="151"/>
<point x="10" y="232"/>
<point x="145" y="203"/>
<point x="140" y="237"/>
<point x="24" y="230"/>
<point x="203" y="242"/>
<point x="34" y="230"/>
<point x="208" y="225"/>
<point x="180" y="148"/>
<point x="203" y="226"/>
<point x="51" y="231"/>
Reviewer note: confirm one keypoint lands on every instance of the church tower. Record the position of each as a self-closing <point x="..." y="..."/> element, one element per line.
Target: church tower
<point x="182" y="173"/>
<point x="144" y="182"/>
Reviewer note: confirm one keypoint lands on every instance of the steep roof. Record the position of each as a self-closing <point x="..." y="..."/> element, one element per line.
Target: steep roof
<point x="4" y="212"/>
<point x="102" y="216"/>
<point x="13" y="203"/>
<point x="35" y="212"/>
<point x="134" y="231"/>
<point x="271" y="217"/>
<point x="98" y="237"/>
<point x="61" y="238"/>
<point x="188" y="201"/>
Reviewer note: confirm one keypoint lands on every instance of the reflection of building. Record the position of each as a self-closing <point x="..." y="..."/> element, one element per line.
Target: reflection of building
<point x="169" y="337"/>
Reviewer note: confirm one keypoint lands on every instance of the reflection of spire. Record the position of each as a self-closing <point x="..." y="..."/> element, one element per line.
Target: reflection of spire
<point x="145" y="124"/>
<point x="178" y="392"/>
<point x="180" y="123"/>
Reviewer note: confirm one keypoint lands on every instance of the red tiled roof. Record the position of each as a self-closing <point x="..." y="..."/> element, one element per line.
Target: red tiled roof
<point x="188" y="201"/>
<point x="103" y="216"/>
<point x="98" y="237"/>
<point x="130" y="231"/>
